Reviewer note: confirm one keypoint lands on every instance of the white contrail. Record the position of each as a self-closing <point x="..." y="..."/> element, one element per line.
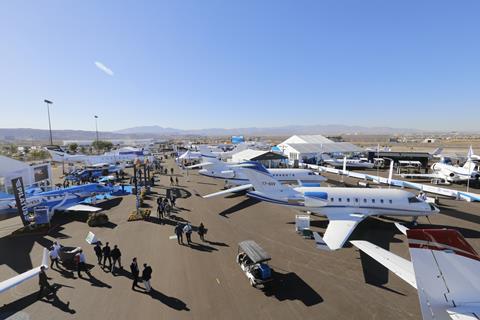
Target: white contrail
<point x="104" y="68"/>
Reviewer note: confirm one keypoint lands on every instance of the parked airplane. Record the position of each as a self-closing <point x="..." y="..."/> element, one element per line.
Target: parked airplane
<point x="65" y="199"/>
<point x="114" y="157"/>
<point x="444" y="270"/>
<point x="344" y="207"/>
<point x="449" y="173"/>
<point x="217" y="169"/>
<point x="361" y="163"/>
<point x="15" y="281"/>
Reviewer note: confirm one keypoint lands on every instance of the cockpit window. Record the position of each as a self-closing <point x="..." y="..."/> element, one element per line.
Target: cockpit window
<point x="413" y="200"/>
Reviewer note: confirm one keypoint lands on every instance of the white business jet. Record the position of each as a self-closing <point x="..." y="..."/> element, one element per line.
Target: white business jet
<point x="345" y="208"/>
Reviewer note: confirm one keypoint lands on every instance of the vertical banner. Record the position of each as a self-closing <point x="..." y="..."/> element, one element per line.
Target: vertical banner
<point x="20" y="199"/>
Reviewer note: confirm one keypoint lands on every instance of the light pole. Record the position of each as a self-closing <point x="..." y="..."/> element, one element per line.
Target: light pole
<point x="96" y="129"/>
<point x="48" y="102"/>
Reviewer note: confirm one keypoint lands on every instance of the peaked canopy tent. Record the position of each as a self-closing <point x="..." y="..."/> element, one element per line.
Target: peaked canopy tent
<point x="30" y="174"/>
<point x="307" y="148"/>
<point x="269" y="159"/>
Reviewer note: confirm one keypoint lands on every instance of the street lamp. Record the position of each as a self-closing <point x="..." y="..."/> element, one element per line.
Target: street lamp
<point x="96" y="127"/>
<point x="48" y="102"/>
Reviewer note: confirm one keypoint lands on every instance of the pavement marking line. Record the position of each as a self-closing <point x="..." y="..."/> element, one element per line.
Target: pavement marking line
<point x="172" y="237"/>
<point x="218" y="281"/>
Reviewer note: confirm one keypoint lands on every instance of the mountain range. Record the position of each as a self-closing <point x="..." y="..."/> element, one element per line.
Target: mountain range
<point x="270" y="131"/>
<point x="27" y="134"/>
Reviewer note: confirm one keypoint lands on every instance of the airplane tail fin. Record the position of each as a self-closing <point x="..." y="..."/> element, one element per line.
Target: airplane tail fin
<point x="437" y="151"/>
<point x="45" y="258"/>
<point x="446" y="269"/>
<point x="57" y="156"/>
<point x="263" y="181"/>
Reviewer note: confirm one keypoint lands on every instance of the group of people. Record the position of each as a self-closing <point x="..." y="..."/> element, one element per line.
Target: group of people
<point x="174" y="182"/>
<point x="188" y="230"/>
<point x="164" y="206"/>
<point x="113" y="256"/>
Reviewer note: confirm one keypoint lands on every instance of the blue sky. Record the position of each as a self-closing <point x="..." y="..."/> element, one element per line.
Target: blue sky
<point x="199" y="64"/>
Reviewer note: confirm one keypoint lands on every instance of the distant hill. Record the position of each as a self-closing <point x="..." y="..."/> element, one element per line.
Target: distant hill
<point x="27" y="134"/>
<point x="270" y="131"/>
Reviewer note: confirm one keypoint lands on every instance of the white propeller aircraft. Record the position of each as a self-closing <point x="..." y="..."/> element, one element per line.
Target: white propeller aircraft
<point x="15" y="281"/>
<point x="444" y="269"/>
<point x="344" y="207"/>
<point x="113" y="157"/>
<point x="449" y="173"/>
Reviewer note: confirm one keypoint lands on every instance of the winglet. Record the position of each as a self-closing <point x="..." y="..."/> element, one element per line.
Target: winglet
<point x="321" y="244"/>
<point x="401" y="228"/>
<point x="45" y="258"/>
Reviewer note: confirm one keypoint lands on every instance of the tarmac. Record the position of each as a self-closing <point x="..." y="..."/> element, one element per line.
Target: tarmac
<point x="203" y="281"/>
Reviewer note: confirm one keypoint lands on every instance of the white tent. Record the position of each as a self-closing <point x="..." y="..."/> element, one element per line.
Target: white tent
<point x="31" y="174"/>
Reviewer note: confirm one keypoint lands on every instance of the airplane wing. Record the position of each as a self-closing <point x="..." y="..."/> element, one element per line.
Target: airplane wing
<point x="15" y="281"/>
<point x="82" y="207"/>
<point x="464" y="313"/>
<point x="338" y="230"/>
<point x="231" y="190"/>
<point x="398" y="265"/>
<point x="198" y="165"/>
<point x="420" y="175"/>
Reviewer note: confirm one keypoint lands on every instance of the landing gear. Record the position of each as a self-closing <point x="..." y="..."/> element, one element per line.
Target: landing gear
<point x="414" y="221"/>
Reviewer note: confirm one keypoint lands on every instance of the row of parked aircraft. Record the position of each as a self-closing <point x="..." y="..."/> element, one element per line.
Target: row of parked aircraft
<point x="444" y="267"/>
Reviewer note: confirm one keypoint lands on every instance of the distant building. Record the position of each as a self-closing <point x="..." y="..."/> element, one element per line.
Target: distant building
<point x="429" y="140"/>
<point x="30" y="174"/>
<point x="269" y="159"/>
<point x="308" y="148"/>
<point x="237" y="139"/>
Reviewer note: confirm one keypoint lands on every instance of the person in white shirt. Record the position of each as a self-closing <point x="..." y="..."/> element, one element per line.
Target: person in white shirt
<point x="54" y="258"/>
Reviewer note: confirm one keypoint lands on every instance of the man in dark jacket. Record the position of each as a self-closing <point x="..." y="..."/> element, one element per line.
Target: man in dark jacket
<point x="179" y="233"/>
<point x="146" y="276"/>
<point x="98" y="252"/>
<point x="135" y="272"/>
<point x="107" y="256"/>
<point x="116" y="255"/>
<point x="43" y="282"/>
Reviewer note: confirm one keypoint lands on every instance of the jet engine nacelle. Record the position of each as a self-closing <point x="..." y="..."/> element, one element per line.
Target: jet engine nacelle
<point x="316" y="199"/>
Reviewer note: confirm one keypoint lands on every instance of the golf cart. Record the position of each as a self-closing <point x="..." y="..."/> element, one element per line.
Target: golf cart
<point x="253" y="261"/>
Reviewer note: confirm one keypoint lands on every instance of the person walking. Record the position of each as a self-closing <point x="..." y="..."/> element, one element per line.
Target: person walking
<point x="80" y="257"/>
<point x="202" y="231"/>
<point x="171" y="181"/>
<point x="146" y="276"/>
<point x="53" y="257"/>
<point x="171" y="171"/>
<point x="43" y="282"/>
<point x="135" y="272"/>
<point x="173" y="200"/>
<point x="116" y="257"/>
<point x="179" y="233"/>
<point x="98" y="252"/>
<point x="176" y="181"/>
<point x="107" y="256"/>
<point x="188" y="232"/>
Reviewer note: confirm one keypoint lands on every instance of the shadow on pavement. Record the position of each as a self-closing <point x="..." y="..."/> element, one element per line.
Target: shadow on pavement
<point x="172" y="302"/>
<point x="22" y="303"/>
<point x="239" y="206"/>
<point x="289" y="286"/>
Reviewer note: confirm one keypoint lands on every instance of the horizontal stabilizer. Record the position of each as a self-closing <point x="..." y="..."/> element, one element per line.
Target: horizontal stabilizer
<point x="199" y="165"/>
<point x="83" y="207"/>
<point x="398" y="265"/>
<point x="401" y="228"/>
<point x="231" y="190"/>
